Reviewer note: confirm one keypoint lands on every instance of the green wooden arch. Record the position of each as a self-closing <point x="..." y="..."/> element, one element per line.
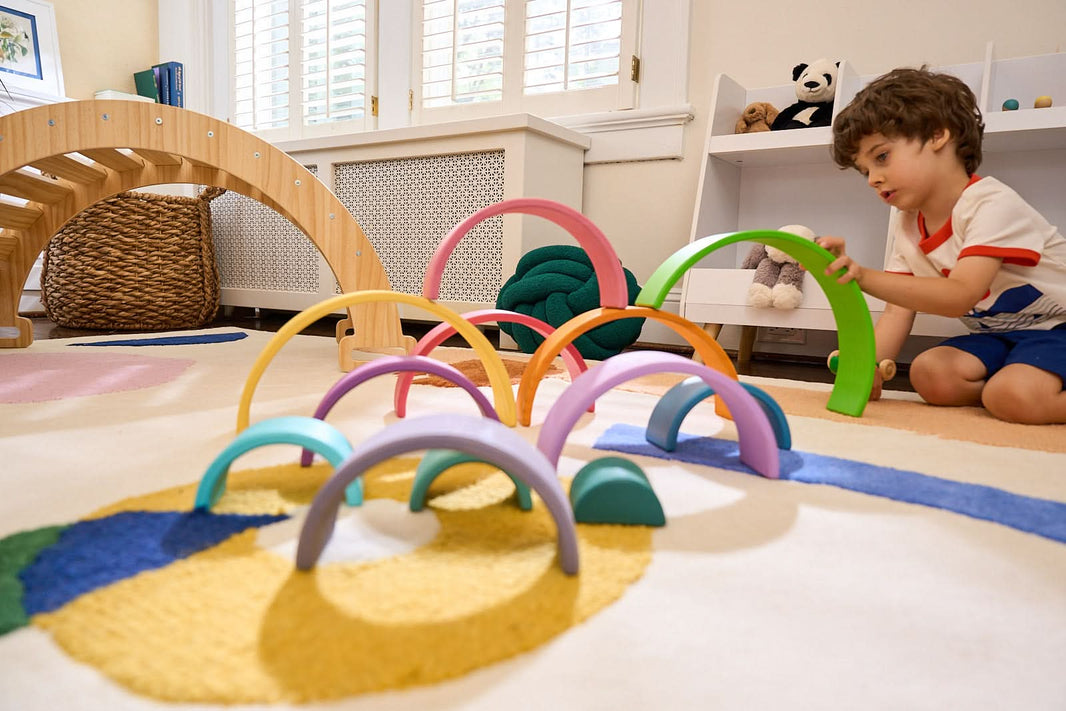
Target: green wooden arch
<point x="855" y="330"/>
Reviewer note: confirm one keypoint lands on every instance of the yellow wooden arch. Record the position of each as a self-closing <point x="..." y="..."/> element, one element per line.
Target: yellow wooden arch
<point x="165" y="145"/>
<point x="490" y="359"/>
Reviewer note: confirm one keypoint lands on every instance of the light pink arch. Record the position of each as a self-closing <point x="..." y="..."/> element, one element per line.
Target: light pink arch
<point x="755" y="434"/>
<point x="575" y="364"/>
<point x="605" y="262"/>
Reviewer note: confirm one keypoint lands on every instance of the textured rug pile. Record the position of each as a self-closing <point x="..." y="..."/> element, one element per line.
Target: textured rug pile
<point x="911" y="558"/>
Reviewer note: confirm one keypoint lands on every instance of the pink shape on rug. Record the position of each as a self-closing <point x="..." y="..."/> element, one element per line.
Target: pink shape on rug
<point x="37" y="377"/>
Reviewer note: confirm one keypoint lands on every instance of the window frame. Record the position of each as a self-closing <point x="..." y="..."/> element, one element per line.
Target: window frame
<point x="620" y="96"/>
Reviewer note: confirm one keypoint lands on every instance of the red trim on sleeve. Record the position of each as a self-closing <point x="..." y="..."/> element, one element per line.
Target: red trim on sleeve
<point x="889" y="271"/>
<point x="1009" y="255"/>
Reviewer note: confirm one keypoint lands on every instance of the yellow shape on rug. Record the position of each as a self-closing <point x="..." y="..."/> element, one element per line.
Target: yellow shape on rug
<point x="239" y="624"/>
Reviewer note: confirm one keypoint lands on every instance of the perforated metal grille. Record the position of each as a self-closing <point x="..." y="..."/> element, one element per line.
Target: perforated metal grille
<point x="257" y="248"/>
<point x="406" y="207"/>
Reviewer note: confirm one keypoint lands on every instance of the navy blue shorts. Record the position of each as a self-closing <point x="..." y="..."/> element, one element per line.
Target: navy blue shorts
<point x="1041" y="349"/>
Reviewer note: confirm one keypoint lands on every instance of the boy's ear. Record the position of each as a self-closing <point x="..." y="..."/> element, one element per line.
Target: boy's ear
<point x="941" y="138"/>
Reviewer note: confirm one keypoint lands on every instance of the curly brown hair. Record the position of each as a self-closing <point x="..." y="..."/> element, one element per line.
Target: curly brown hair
<point x="911" y="104"/>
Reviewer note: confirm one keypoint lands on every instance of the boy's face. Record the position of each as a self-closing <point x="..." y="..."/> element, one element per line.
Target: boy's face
<point x="902" y="171"/>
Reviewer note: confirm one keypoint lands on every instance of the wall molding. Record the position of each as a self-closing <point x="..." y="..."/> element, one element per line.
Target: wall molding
<point x="633" y="135"/>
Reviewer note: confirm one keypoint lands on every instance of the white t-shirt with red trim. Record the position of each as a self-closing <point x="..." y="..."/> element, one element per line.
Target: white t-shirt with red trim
<point x="990" y="219"/>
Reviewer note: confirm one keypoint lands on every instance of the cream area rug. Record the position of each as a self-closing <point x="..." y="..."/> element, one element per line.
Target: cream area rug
<point x="913" y="558"/>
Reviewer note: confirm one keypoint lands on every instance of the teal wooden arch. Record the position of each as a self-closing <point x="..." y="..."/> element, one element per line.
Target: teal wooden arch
<point x="308" y="432"/>
<point x="855" y="330"/>
<point x="438" y="461"/>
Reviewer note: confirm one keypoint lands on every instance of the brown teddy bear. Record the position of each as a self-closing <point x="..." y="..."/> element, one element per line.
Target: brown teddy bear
<point x="757" y="116"/>
<point x="778" y="279"/>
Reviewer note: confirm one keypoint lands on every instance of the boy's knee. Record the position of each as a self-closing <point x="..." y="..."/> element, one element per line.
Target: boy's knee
<point x="935" y="391"/>
<point x="932" y="381"/>
<point x="1007" y="403"/>
<point x="941" y="377"/>
<point x="1022" y="396"/>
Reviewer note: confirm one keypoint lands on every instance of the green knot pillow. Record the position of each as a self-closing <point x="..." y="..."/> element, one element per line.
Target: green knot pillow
<point x="556" y="283"/>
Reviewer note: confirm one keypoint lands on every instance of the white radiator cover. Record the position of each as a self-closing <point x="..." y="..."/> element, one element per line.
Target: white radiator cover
<point x="259" y="250"/>
<point x="407" y="188"/>
<point x="407" y="205"/>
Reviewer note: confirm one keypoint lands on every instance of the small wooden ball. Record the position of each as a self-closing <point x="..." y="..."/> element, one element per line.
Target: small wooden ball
<point x="1010" y="105"/>
<point x="1042" y="102"/>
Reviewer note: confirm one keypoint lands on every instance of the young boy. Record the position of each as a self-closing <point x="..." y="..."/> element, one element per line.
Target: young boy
<point x="963" y="246"/>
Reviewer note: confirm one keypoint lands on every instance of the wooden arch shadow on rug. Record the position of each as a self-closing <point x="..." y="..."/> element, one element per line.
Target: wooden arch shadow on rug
<point x="165" y="145"/>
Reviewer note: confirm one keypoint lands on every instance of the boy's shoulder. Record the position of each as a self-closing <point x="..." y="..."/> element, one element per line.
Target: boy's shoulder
<point x="985" y="191"/>
<point x="988" y="204"/>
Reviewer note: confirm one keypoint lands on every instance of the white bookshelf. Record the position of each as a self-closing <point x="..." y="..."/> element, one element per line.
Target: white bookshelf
<point x="766" y="180"/>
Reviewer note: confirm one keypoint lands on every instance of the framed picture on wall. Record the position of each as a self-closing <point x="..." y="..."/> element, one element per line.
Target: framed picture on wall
<point x="29" y="50"/>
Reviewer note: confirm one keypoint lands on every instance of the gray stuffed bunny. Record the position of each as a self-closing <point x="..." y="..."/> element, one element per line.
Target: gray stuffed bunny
<point x="778" y="279"/>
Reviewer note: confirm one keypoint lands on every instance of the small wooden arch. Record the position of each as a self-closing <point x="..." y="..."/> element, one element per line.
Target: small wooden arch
<point x="79" y="142"/>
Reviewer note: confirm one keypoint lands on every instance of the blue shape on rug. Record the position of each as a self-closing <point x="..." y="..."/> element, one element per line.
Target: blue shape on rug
<point x="96" y="553"/>
<point x="1042" y="517"/>
<point x="171" y="340"/>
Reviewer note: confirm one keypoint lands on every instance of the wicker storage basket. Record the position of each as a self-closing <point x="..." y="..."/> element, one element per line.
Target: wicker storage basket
<point x="135" y="261"/>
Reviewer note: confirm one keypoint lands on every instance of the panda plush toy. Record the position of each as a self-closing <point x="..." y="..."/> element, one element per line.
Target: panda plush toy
<point x="815" y="85"/>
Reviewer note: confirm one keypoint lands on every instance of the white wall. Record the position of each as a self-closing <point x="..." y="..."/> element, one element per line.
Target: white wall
<point x="646" y="208"/>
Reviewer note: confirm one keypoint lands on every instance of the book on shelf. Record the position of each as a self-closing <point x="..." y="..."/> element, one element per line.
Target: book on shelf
<point x="147" y="84"/>
<point x="163" y="82"/>
<point x="171" y="83"/>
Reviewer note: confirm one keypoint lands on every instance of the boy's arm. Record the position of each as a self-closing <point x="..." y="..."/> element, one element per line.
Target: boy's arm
<point x="954" y="296"/>
<point x="891" y="331"/>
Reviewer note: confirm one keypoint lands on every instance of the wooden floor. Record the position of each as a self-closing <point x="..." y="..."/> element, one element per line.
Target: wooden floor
<point x="764" y="365"/>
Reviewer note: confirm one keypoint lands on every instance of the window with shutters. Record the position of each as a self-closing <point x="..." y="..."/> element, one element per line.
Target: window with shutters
<point x="479" y="57"/>
<point x="302" y="67"/>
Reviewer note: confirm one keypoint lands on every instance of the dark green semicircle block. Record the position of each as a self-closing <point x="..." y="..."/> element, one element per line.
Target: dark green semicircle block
<point x="615" y="490"/>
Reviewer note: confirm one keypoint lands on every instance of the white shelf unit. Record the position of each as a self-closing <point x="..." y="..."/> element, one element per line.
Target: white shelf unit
<point x="766" y="180"/>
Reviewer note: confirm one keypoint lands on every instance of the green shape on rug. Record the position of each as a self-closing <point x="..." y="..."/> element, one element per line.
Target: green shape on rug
<point x="615" y="490"/>
<point x="16" y="552"/>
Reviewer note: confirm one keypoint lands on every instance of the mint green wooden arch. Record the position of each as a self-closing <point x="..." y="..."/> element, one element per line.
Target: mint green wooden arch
<point x="855" y="330"/>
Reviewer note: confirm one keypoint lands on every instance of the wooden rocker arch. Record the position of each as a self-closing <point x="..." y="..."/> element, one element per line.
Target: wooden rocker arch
<point x="79" y="142"/>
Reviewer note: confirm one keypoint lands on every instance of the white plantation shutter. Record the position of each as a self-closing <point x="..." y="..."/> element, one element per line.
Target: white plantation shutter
<point x="548" y="56"/>
<point x="333" y="60"/>
<point x="462" y="51"/>
<point x="305" y="68"/>
<point x="572" y="44"/>
<point x="301" y="64"/>
<point x="261" y="64"/>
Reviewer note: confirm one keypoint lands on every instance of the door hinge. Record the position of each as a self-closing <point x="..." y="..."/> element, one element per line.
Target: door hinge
<point x="410" y="99"/>
<point x="373" y="106"/>
<point x="634" y="69"/>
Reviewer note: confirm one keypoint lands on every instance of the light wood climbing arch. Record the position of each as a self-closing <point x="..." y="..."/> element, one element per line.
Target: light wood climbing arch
<point x="165" y="145"/>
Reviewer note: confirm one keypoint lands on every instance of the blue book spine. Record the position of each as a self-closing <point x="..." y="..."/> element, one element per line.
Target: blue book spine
<point x="171" y="83"/>
<point x="164" y="83"/>
<point x="177" y="84"/>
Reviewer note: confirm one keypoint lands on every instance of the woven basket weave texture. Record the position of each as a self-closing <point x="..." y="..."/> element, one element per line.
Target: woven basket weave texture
<point x="134" y="261"/>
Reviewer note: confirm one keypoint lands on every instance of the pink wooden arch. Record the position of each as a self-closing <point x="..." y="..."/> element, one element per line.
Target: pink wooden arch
<point x="608" y="268"/>
<point x="575" y="364"/>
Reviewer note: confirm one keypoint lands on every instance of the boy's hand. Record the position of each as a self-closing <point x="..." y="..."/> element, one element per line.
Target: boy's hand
<point x="852" y="269"/>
